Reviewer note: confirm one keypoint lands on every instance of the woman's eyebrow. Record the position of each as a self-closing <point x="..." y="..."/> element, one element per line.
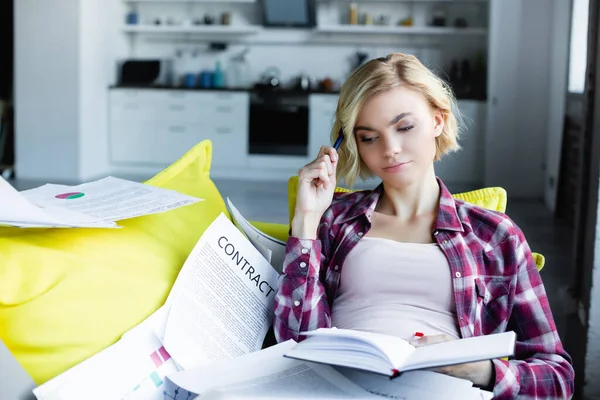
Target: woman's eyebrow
<point x="397" y="118"/>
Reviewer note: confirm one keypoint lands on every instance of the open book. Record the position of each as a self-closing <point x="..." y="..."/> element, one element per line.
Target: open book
<point x="96" y="204"/>
<point x="389" y="355"/>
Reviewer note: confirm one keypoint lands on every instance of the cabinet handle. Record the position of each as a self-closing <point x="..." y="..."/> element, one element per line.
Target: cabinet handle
<point x="177" y="107"/>
<point x="177" y="129"/>
<point x="224" y="109"/>
<point x="224" y="130"/>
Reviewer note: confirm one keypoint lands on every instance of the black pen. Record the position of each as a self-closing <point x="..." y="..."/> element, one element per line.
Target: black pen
<point x="338" y="142"/>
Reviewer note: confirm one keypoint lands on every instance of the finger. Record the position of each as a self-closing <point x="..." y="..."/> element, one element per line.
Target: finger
<point x="332" y="153"/>
<point x="328" y="164"/>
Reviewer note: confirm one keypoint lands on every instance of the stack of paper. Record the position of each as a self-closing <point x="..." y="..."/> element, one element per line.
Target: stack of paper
<point x="97" y="204"/>
<point x="219" y="308"/>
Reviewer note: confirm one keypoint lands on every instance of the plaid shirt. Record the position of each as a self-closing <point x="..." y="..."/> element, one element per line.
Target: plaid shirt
<point x="496" y="285"/>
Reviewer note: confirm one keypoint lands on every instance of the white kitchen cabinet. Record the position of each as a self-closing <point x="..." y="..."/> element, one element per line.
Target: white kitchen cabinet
<point x="156" y="127"/>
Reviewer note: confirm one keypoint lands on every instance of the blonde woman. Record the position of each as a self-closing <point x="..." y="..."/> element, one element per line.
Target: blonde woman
<point x="407" y="257"/>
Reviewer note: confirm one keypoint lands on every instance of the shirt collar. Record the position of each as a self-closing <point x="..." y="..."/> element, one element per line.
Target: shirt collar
<point x="447" y="218"/>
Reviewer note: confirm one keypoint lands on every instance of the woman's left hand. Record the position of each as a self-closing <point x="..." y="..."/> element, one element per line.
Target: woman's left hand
<point x="481" y="373"/>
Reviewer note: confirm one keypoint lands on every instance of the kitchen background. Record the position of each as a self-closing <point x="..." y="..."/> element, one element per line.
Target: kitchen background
<point x="107" y="118"/>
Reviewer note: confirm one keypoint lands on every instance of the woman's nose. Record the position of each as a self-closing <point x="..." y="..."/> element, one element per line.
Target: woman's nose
<point x="392" y="148"/>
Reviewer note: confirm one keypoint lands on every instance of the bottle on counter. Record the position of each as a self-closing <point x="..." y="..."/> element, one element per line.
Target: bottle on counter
<point x="353" y="14"/>
<point x="238" y="72"/>
<point x="218" y="79"/>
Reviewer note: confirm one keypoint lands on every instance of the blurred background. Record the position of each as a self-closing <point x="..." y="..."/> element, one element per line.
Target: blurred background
<point x="90" y="88"/>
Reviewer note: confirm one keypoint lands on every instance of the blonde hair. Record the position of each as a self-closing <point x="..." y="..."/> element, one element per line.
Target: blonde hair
<point x="380" y="75"/>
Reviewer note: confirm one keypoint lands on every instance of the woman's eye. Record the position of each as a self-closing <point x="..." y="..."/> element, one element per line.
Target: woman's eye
<point x="405" y="128"/>
<point x="367" y="139"/>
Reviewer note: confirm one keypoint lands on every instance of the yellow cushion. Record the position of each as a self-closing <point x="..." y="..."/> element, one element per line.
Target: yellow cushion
<point x="493" y="198"/>
<point x="66" y="294"/>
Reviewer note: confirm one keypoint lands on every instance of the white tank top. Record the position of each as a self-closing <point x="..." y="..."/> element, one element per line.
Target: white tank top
<point x="397" y="289"/>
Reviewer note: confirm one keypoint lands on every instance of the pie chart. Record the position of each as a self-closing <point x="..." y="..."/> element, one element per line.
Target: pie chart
<point x="70" y="196"/>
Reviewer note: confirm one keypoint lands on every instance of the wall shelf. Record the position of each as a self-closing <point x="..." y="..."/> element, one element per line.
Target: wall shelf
<point x="206" y="29"/>
<point x="190" y="1"/>
<point x="404" y="1"/>
<point x="404" y="30"/>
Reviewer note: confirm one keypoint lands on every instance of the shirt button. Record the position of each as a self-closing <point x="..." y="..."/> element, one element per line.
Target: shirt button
<point x="296" y="303"/>
<point x="486" y="298"/>
<point x="304" y="250"/>
<point x="444" y="242"/>
<point x="302" y="264"/>
<point x="435" y="233"/>
<point x="336" y="267"/>
<point x="457" y="274"/>
<point x="360" y="233"/>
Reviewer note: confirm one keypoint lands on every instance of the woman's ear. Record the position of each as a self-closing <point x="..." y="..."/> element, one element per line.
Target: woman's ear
<point x="438" y="123"/>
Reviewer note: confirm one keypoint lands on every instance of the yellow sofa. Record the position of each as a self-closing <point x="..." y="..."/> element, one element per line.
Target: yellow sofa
<point x="66" y="294"/>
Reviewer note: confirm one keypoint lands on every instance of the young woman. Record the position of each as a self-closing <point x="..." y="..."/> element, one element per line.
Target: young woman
<point x="407" y="257"/>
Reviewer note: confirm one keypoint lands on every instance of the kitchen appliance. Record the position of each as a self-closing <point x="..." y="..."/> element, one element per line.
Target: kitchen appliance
<point x="289" y="13"/>
<point x="147" y="72"/>
<point x="278" y="122"/>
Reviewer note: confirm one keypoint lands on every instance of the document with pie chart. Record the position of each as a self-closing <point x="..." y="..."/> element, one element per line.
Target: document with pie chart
<point x="97" y="204"/>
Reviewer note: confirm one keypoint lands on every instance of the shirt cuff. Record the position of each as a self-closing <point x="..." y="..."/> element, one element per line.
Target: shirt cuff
<point x="302" y="257"/>
<point x="506" y="384"/>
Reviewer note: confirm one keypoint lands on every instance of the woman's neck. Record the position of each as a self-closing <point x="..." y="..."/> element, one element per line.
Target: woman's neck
<point x="417" y="200"/>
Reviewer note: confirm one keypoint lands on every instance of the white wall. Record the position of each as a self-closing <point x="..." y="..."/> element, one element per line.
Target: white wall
<point x="65" y="55"/>
<point x="47" y="89"/>
<point x="100" y="43"/>
<point x="519" y="89"/>
<point x="561" y="25"/>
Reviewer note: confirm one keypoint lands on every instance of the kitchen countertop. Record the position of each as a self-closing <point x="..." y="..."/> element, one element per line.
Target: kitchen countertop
<point x="285" y="90"/>
<point x="255" y="89"/>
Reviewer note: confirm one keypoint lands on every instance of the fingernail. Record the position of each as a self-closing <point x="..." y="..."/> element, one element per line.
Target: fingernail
<point x="419" y="334"/>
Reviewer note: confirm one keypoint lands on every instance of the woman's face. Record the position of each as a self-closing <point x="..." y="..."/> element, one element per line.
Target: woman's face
<point x="395" y="133"/>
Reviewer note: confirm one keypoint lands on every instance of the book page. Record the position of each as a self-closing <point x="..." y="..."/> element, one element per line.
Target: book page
<point x="134" y="368"/>
<point x="267" y="374"/>
<point x="272" y="249"/>
<point x="107" y="200"/>
<point x="353" y="348"/>
<point x="221" y="305"/>
<point x="461" y="351"/>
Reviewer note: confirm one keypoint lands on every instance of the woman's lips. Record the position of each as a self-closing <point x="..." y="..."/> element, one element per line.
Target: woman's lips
<point x="396" y="167"/>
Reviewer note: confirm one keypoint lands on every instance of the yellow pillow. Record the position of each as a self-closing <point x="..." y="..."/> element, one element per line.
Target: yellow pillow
<point x="493" y="198"/>
<point x="66" y="294"/>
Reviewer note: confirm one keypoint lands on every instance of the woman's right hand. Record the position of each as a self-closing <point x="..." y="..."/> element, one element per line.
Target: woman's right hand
<point x="316" y="184"/>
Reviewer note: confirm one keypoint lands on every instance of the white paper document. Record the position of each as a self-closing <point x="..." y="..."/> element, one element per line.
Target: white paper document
<point x="271" y="248"/>
<point x="97" y="204"/>
<point x="221" y="305"/>
<point x="414" y="385"/>
<point x="134" y="368"/>
<point x="268" y="375"/>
